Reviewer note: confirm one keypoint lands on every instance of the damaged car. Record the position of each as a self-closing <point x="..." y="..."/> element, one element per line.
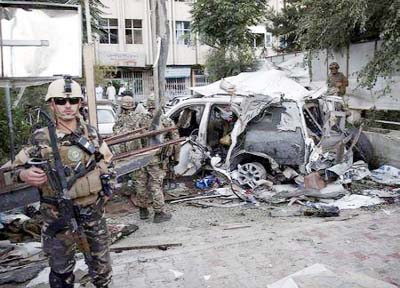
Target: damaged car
<point x="266" y="128"/>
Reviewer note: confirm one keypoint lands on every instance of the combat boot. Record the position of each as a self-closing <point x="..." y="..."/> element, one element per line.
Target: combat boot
<point x="143" y="213"/>
<point x="161" y="217"/>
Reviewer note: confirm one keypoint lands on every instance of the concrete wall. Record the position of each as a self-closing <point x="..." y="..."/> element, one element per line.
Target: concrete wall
<point x="386" y="147"/>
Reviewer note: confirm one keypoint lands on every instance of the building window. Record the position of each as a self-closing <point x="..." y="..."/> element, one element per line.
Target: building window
<point x="262" y="40"/>
<point x="110" y="29"/>
<point x="259" y="40"/>
<point x="268" y="40"/>
<point x="133" y="31"/>
<point x="183" y="33"/>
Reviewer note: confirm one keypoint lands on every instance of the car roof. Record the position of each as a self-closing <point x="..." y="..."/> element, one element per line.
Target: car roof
<point x="106" y="107"/>
<point x="213" y="99"/>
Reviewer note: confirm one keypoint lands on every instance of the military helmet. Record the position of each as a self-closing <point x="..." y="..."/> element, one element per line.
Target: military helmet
<point x="127" y="102"/>
<point x="151" y="103"/>
<point x="64" y="88"/>
<point x="334" y="65"/>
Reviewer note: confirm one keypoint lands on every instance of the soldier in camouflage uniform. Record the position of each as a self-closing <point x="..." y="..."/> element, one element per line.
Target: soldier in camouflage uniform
<point x="337" y="82"/>
<point x="149" y="180"/>
<point x="128" y="120"/>
<point x="64" y="98"/>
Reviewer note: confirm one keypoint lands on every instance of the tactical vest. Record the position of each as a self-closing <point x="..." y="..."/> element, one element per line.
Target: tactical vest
<point x="86" y="188"/>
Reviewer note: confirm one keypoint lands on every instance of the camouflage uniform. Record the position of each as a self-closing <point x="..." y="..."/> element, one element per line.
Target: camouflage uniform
<point x="149" y="180"/>
<point x="128" y="121"/>
<point x="88" y="200"/>
<point x="336" y="81"/>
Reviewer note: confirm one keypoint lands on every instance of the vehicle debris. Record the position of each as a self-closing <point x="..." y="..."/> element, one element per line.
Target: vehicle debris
<point x="386" y="174"/>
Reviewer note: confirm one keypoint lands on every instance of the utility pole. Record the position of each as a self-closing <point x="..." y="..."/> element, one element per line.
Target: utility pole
<point x="160" y="42"/>
<point x="89" y="60"/>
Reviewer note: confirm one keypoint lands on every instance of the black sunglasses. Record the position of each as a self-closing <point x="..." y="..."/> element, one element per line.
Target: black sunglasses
<point x="63" y="101"/>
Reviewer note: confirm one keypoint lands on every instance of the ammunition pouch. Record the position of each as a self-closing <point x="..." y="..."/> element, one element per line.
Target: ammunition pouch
<point x="88" y="184"/>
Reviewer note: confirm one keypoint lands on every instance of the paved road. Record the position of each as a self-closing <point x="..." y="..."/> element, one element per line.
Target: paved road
<point x="358" y="241"/>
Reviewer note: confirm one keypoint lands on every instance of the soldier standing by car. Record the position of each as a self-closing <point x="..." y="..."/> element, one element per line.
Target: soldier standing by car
<point x="149" y="180"/>
<point x="128" y="120"/>
<point x="337" y="82"/>
<point x="84" y="160"/>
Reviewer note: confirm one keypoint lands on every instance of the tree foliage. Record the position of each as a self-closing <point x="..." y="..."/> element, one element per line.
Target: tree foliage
<point x="335" y="24"/>
<point x="23" y="118"/>
<point x="222" y="63"/>
<point x="224" y="26"/>
<point x="284" y="25"/>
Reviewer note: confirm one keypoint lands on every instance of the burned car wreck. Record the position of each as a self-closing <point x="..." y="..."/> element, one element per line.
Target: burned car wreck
<point x="272" y="136"/>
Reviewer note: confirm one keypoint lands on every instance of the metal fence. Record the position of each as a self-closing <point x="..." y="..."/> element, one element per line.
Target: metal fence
<point x="141" y="85"/>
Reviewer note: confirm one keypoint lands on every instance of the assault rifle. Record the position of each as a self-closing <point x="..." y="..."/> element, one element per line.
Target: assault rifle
<point x="58" y="182"/>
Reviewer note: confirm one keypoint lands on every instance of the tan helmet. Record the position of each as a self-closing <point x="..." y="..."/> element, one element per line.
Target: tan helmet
<point x="334" y="65"/>
<point x="64" y="89"/>
<point x="127" y="102"/>
<point x="151" y="103"/>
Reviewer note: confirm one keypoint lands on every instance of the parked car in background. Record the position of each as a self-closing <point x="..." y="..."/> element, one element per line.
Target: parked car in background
<point x="106" y="118"/>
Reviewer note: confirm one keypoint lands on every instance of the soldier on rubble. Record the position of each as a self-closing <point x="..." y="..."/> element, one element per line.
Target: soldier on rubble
<point x="337" y="82"/>
<point x="149" y="180"/>
<point x="85" y="159"/>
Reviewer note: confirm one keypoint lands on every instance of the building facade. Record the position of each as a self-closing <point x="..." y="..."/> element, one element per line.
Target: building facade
<point x="127" y="46"/>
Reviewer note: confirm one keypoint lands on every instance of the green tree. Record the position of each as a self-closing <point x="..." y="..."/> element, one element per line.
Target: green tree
<point x="284" y="23"/>
<point x="24" y="118"/>
<point x="224" y="26"/>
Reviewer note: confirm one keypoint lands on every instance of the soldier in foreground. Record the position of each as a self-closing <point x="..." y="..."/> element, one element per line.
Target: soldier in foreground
<point x="69" y="163"/>
<point x="149" y="180"/>
<point x="337" y="82"/>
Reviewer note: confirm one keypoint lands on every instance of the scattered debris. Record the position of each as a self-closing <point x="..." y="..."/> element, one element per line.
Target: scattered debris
<point x="140" y="247"/>
<point x="207" y="182"/>
<point x="355" y="201"/>
<point x="320" y="210"/>
<point x="120" y="230"/>
<point x="237" y="227"/>
<point x="386" y="174"/>
<point x="314" y="181"/>
<point x="194" y="198"/>
<point x="177" y="274"/>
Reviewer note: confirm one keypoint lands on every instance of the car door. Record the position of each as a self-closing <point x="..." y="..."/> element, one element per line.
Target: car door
<point x="190" y="122"/>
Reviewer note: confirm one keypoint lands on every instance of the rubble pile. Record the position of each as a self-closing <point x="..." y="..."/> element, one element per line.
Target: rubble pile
<point x="21" y="255"/>
<point x="306" y="195"/>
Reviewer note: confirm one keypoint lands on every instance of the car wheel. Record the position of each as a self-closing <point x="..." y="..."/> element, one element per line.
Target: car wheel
<point x="250" y="173"/>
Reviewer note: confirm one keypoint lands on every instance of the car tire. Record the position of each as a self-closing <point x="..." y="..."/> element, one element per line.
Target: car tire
<point x="251" y="172"/>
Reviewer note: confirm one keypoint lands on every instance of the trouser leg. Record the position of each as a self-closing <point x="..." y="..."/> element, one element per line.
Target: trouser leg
<point x="100" y="264"/>
<point x="60" y="251"/>
<point x="141" y="181"/>
<point x="155" y="177"/>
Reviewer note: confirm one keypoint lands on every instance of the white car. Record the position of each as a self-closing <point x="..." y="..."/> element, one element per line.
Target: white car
<point x="266" y="134"/>
<point x="106" y="118"/>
